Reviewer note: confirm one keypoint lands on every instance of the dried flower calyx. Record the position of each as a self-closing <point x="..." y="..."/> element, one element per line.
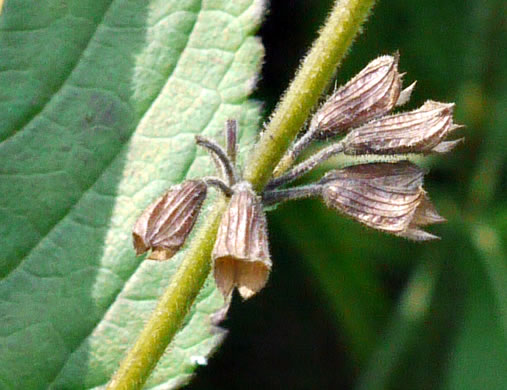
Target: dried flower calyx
<point x="373" y="92"/>
<point x="164" y="226"/>
<point x="418" y="131"/>
<point x="241" y="254"/>
<point x="383" y="196"/>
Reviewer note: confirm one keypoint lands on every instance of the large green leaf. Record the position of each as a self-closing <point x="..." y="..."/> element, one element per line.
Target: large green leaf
<point x="100" y="101"/>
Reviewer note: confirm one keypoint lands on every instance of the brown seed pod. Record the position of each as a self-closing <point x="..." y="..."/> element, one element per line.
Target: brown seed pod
<point x="418" y="131"/>
<point x="383" y="196"/>
<point x="241" y="253"/>
<point x="165" y="224"/>
<point x="373" y="92"/>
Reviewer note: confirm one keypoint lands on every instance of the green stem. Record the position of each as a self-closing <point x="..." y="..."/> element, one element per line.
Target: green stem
<point x="307" y="165"/>
<point x="316" y="71"/>
<point x="172" y="307"/>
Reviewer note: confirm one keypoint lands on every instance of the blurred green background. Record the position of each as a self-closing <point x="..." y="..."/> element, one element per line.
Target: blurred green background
<point x="351" y="308"/>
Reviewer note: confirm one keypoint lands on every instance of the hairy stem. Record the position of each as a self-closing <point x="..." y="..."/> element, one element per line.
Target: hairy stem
<point x="316" y="71"/>
<point x="219" y="184"/>
<point x="306" y="166"/>
<point x="231" y="132"/>
<point x="172" y="307"/>
<point x="293" y="153"/>
<point x="216" y="150"/>
<point x="295" y="193"/>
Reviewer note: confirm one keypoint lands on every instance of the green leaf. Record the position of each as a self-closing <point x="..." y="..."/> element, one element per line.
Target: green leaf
<point x="100" y="103"/>
<point x="493" y="260"/>
<point x="478" y="359"/>
<point x="403" y="328"/>
<point x="479" y="354"/>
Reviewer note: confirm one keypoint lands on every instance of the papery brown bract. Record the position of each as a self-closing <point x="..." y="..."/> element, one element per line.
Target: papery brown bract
<point x="241" y="254"/>
<point x="383" y="196"/>
<point x="373" y="92"/>
<point x="418" y="131"/>
<point x="165" y="224"/>
<point x="425" y="214"/>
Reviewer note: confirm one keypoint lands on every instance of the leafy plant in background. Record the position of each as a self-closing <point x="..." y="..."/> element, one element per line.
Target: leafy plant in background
<point x="92" y="132"/>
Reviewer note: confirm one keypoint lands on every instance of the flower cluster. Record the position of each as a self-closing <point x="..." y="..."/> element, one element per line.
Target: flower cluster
<point x="385" y="196"/>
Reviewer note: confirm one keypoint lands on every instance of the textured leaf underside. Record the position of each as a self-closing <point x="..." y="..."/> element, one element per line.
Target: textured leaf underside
<point x="100" y="101"/>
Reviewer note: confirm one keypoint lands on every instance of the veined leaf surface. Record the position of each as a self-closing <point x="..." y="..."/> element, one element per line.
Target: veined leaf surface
<point x="100" y="101"/>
